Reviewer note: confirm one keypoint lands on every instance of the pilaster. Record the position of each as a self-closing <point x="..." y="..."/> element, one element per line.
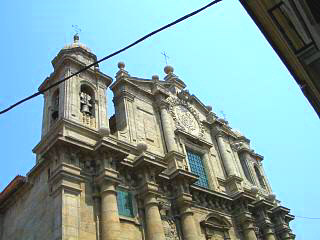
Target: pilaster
<point x="167" y="128"/>
<point x="147" y="169"/>
<point x="262" y="209"/>
<point x="182" y="179"/>
<point x="281" y="219"/>
<point x="228" y="163"/>
<point x="108" y="180"/>
<point x="244" y="216"/>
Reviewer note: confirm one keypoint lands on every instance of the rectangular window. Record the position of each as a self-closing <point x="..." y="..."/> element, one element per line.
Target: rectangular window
<point x="124" y="200"/>
<point x="196" y="165"/>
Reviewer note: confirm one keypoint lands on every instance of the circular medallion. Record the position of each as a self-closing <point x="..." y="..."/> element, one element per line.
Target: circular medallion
<point x="186" y="120"/>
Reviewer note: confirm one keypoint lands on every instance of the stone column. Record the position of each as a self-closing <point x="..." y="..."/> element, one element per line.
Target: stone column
<point x="110" y="223"/>
<point x="153" y="218"/>
<point x="184" y="202"/>
<point x="226" y="158"/>
<point x="269" y="234"/>
<point x="248" y="230"/>
<point x="189" y="229"/>
<point x="167" y="128"/>
<point x="213" y="183"/>
<point x="287" y="236"/>
<point x="251" y="171"/>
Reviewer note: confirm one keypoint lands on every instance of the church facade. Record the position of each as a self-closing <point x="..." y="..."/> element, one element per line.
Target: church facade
<point x="164" y="166"/>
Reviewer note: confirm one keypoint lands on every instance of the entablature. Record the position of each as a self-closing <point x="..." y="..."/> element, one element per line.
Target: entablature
<point x="67" y="60"/>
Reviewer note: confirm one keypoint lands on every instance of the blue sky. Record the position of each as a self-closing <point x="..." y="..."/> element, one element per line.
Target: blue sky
<point x="220" y="54"/>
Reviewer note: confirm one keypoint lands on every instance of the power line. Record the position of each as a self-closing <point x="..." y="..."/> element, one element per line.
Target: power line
<point x="112" y="54"/>
<point x="312" y="218"/>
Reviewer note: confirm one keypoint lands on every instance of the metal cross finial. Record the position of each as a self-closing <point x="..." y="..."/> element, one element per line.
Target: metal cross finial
<point x="76" y="29"/>
<point x="165" y="56"/>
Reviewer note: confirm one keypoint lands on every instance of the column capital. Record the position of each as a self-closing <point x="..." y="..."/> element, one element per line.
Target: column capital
<point x="108" y="181"/>
<point x="218" y="132"/>
<point x="161" y="103"/>
<point x="248" y="225"/>
<point x="150" y="198"/>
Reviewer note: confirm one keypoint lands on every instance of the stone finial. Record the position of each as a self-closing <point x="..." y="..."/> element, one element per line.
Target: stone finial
<point x="121" y="65"/>
<point x="121" y="73"/>
<point x="168" y="69"/>
<point x="142" y="147"/>
<point x="104" y="132"/>
<point x="155" y="78"/>
<point x="76" y="38"/>
<point x="209" y="108"/>
<point x="271" y="197"/>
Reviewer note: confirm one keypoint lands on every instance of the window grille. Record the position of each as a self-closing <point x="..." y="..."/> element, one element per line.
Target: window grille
<point x="124" y="200"/>
<point x="196" y="165"/>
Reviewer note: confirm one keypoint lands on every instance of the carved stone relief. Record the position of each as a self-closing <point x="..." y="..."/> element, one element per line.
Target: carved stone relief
<point x="186" y="120"/>
<point x="168" y="222"/>
<point x="185" y="116"/>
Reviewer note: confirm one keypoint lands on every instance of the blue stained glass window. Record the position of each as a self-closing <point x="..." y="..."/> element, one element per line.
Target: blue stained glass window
<point x="196" y="165"/>
<point x="124" y="200"/>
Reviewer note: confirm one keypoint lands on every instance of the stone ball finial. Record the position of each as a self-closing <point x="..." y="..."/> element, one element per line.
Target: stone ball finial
<point x="142" y="147"/>
<point x="121" y="65"/>
<point x="209" y="108"/>
<point x="271" y="197"/>
<point x="254" y="190"/>
<point x="76" y="38"/>
<point x="104" y="132"/>
<point x="155" y="78"/>
<point x="168" y="69"/>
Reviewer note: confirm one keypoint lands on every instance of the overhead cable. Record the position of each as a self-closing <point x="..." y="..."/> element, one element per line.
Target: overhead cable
<point x="112" y="54"/>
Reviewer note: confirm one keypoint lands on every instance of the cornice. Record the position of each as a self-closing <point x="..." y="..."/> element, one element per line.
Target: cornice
<point x="127" y="81"/>
<point x="143" y="160"/>
<point x="13" y="188"/>
<point x="73" y="50"/>
<point x="62" y="64"/>
<point x="194" y="139"/>
<point x="124" y="94"/>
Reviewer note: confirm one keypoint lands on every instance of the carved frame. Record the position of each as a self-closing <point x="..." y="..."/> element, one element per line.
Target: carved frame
<point x="173" y="102"/>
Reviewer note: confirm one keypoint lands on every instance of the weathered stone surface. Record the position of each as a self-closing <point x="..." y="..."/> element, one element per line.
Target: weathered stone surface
<point x="71" y="193"/>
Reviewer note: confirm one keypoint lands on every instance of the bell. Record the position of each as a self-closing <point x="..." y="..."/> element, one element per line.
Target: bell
<point x="85" y="108"/>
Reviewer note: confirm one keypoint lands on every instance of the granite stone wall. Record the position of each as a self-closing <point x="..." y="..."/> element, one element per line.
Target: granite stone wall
<point x="32" y="214"/>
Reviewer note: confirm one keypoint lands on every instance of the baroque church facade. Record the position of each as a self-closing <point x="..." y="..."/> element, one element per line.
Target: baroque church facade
<point x="163" y="167"/>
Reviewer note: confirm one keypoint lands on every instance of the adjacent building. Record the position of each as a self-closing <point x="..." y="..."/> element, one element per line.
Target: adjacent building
<point x="292" y="27"/>
<point x="164" y="166"/>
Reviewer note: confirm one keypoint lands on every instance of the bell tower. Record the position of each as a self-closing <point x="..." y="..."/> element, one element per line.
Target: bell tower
<point x="82" y="98"/>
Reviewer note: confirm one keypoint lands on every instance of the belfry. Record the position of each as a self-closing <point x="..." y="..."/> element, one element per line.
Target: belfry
<point x="163" y="167"/>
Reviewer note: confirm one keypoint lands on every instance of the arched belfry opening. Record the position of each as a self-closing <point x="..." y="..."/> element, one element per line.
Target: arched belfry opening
<point x="55" y="106"/>
<point x="87" y="105"/>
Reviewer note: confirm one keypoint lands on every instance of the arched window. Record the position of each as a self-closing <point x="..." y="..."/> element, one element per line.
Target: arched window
<point x="245" y="169"/>
<point x="260" y="177"/>
<point x="86" y="100"/>
<point x="216" y="227"/>
<point x="55" y="105"/>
